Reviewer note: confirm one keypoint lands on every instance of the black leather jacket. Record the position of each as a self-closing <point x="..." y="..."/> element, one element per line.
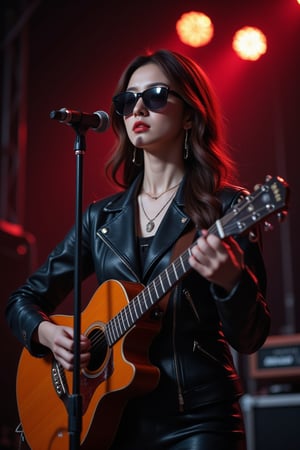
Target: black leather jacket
<point x="192" y="349"/>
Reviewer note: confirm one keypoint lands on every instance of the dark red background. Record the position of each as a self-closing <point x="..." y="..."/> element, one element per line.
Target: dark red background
<point x="77" y="50"/>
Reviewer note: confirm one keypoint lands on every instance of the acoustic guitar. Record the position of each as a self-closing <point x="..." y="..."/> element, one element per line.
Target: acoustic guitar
<point x="121" y="322"/>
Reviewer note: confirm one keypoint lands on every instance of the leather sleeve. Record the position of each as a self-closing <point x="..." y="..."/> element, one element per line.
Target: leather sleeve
<point x="244" y="313"/>
<point x="45" y="289"/>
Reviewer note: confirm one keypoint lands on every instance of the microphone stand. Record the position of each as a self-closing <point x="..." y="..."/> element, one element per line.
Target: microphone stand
<point x="75" y="399"/>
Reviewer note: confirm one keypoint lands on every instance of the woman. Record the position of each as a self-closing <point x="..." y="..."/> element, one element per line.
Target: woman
<point x="171" y="162"/>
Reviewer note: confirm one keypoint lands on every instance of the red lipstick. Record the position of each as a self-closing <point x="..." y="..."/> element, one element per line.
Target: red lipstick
<point x="140" y="127"/>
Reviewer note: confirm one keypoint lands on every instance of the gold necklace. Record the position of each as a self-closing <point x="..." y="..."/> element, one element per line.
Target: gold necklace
<point x="150" y="225"/>
<point x="156" y="197"/>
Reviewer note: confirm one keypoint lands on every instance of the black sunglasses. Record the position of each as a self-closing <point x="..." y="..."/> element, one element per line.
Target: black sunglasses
<point x="154" y="98"/>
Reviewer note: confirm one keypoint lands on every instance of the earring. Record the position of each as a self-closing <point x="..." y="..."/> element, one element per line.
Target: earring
<point x="134" y="158"/>
<point x="186" y="145"/>
<point x="134" y="155"/>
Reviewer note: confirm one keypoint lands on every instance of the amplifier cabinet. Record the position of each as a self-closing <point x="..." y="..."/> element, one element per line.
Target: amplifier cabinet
<point x="272" y="422"/>
<point x="278" y="358"/>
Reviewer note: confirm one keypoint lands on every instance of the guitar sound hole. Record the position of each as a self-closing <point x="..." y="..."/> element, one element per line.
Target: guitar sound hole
<point x="98" y="350"/>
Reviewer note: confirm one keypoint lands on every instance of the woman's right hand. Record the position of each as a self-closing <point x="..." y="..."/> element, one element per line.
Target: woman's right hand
<point x="60" y="340"/>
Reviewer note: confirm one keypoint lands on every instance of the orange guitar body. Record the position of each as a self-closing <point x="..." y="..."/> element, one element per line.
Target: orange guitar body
<point x="123" y="372"/>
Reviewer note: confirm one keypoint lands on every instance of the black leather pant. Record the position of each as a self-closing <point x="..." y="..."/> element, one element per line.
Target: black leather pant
<point x="201" y="441"/>
<point x="210" y="427"/>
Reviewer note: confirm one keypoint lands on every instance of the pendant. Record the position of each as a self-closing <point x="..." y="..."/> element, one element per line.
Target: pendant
<point x="150" y="225"/>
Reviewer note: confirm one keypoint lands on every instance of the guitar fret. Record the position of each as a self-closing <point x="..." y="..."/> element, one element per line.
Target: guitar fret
<point x="117" y="326"/>
<point x="119" y="329"/>
<point x="175" y="271"/>
<point x="182" y="263"/>
<point x="123" y="323"/>
<point x="150" y="295"/>
<point x="128" y="320"/>
<point x="115" y="335"/>
<point x="144" y="300"/>
<point x="172" y="275"/>
<point x="140" y="306"/>
<point x="134" y="307"/>
<point x="156" y="293"/>
<point x="168" y="282"/>
<point x="111" y="330"/>
<point x="144" y="295"/>
<point x="168" y="278"/>
<point x="162" y="284"/>
<point x="106" y="334"/>
<point x="130" y="311"/>
<point x="128" y="317"/>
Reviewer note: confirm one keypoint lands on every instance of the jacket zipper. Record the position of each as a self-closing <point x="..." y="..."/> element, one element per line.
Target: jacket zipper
<point x="176" y="363"/>
<point x="196" y="345"/>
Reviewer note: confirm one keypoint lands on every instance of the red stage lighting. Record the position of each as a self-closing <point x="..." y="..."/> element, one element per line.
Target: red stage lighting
<point x="195" y="29"/>
<point x="249" y="43"/>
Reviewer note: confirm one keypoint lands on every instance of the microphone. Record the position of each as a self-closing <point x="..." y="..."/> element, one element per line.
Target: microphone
<point x="98" y="121"/>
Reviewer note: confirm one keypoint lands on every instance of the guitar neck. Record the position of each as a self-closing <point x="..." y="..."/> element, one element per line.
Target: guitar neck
<point x="267" y="199"/>
<point x="152" y="293"/>
<point x="159" y="286"/>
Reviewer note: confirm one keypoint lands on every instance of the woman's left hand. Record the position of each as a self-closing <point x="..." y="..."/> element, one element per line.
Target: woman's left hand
<point x="219" y="261"/>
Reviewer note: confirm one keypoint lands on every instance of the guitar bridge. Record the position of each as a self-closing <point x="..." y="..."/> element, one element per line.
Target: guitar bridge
<point x="59" y="380"/>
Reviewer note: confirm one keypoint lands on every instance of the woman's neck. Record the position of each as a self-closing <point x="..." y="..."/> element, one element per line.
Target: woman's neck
<point x="157" y="182"/>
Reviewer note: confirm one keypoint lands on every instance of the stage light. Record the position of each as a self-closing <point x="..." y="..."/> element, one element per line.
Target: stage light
<point x="195" y="29"/>
<point x="249" y="43"/>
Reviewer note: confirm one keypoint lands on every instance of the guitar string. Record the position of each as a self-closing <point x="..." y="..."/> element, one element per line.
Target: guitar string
<point x="150" y="291"/>
<point x="134" y="304"/>
<point x="231" y="228"/>
<point x="123" y="316"/>
<point x="241" y="206"/>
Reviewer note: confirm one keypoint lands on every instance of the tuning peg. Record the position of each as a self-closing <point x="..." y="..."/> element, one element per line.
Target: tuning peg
<point x="268" y="226"/>
<point x="257" y="187"/>
<point x="281" y="216"/>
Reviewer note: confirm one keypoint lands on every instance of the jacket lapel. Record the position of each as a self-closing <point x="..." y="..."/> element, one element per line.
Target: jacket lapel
<point x="121" y="233"/>
<point x="120" y="228"/>
<point x="174" y="224"/>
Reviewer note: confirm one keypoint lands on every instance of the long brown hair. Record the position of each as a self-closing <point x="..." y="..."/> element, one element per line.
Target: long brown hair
<point x="209" y="167"/>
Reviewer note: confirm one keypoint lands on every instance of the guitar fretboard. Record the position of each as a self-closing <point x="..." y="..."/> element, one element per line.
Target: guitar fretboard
<point x="142" y="302"/>
<point x="250" y="210"/>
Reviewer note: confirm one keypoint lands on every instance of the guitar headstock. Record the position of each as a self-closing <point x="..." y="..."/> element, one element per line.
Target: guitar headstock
<point x="267" y="199"/>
